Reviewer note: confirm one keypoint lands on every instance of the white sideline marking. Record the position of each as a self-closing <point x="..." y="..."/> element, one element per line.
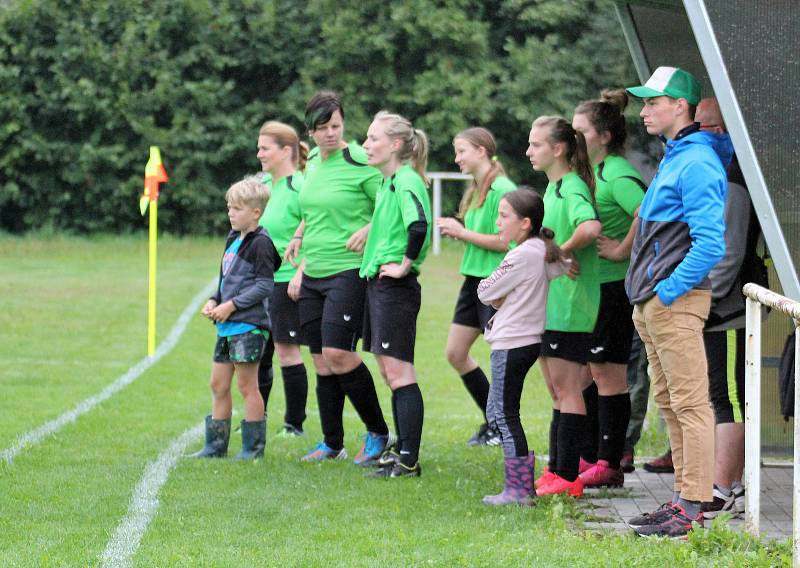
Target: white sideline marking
<point x="38" y="434"/>
<point x="144" y="503"/>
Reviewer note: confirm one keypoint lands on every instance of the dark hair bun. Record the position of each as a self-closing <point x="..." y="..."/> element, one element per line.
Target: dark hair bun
<point x="615" y="97"/>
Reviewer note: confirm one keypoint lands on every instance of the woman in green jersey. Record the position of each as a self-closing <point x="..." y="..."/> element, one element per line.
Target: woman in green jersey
<point x="336" y="206"/>
<point x="395" y="249"/>
<point x="475" y="155"/>
<point x="283" y="158"/>
<point x="619" y="194"/>
<point x="556" y="149"/>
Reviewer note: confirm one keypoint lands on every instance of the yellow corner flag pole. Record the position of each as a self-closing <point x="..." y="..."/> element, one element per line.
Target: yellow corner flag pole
<point x="154" y="174"/>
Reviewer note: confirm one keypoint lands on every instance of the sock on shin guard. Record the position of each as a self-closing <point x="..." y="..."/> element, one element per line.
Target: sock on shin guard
<point x="478" y="387"/>
<point x="570" y="429"/>
<point x="614" y="413"/>
<point x="359" y="388"/>
<point x="295" y="390"/>
<point x="553" y="463"/>
<point x="396" y="421"/>
<point x="265" y="381"/>
<point x="410" y="415"/>
<point x="330" y="400"/>
<point x="591" y="432"/>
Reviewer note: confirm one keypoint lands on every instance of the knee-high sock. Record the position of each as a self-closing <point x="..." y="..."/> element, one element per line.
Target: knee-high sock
<point x="330" y="400"/>
<point x="410" y="415"/>
<point x="552" y="465"/>
<point x="295" y="390"/>
<point x="359" y="388"/>
<point x="478" y="387"/>
<point x="570" y="428"/>
<point x="265" y="373"/>
<point x="613" y="412"/>
<point x="591" y="432"/>
<point x="396" y="421"/>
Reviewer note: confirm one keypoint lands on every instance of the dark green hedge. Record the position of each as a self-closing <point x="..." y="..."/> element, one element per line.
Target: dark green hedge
<point x="89" y="85"/>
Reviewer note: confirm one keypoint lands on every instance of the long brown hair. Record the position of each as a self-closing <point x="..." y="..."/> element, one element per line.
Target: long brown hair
<point x="605" y="115"/>
<point x="527" y="203"/>
<point x="284" y="135"/>
<point x="480" y="137"/>
<point x="560" y="131"/>
<point x="415" y="142"/>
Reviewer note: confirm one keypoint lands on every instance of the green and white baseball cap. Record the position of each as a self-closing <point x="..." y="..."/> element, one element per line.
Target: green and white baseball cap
<point x="669" y="82"/>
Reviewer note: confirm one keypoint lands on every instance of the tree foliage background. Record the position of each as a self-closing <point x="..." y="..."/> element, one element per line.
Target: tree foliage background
<point x="88" y="85"/>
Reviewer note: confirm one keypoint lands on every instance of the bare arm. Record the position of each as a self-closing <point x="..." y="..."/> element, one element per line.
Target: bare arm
<point x="452" y="228"/>
<point x="618" y="250"/>
<point x="583" y="236"/>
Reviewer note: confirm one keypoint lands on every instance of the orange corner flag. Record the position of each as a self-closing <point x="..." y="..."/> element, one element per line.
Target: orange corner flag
<point x="154" y="174"/>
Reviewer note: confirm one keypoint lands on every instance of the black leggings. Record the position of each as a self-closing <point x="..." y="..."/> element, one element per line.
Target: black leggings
<point x="509" y="367"/>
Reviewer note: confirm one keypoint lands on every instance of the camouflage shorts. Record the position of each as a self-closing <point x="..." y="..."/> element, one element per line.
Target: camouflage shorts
<point x="242" y="348"/>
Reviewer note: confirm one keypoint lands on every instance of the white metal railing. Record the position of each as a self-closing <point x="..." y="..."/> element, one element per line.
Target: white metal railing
<point x="436" y="178"/>
<point x="756" y="297"/>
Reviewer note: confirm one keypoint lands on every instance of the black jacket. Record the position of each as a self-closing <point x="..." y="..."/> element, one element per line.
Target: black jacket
<point x="249" y="281"/>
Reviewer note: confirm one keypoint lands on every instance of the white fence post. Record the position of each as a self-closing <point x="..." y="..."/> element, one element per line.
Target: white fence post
<point x="756" y="296"/>
<point x="436" y="178"/>
<point x="437" y="212"/>
<point x="796" y="482"/>
<point x="752" y="418"/>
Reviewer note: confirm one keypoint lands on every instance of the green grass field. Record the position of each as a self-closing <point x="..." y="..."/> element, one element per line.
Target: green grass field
<point x="74" y="320"/>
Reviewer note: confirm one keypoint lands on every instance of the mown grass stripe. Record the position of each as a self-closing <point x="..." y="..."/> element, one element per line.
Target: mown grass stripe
<point x="36" y="435"/>
<point x="144" y="503"/>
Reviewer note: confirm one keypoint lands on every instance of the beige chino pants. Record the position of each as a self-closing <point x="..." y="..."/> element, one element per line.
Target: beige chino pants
<point x="673" y="337"/>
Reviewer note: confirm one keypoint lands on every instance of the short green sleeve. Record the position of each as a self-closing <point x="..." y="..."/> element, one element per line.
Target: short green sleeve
<point x="627" y="193"/>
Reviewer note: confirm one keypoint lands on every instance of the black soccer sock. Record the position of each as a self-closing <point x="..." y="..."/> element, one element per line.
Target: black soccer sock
<point x="330" y="400"/>
<point x="613" y="412"/>
<point x="478" y="387"/>
<point x="396" y="421"/>
<point x="265" y="373"/>
<point x="410" y="415"/>
<point x="552" y="464"/>
<point x="359" y="388"/>
<point x="295" y="390"/>
<point x="591" y="432"/>
<point x="570" y="430"/>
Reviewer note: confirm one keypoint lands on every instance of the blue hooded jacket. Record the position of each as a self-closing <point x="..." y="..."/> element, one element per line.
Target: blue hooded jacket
<point x="681" y="232"/>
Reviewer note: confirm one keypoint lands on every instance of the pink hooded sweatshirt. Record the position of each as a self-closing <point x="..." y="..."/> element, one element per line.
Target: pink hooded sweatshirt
<point x="519" y="287"/>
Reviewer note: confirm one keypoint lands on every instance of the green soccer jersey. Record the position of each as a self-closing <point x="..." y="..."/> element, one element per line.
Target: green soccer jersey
<point x="479" y="261"/>
<point x="620" y="191"/>
<point x="572" y="304"/>
<point x="337" y="200"/>
<point x="402" y="200"/>
<point x="282" y="216"/>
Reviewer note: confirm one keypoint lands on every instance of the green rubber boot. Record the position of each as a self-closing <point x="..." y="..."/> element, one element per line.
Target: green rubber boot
<point x="217" y="434"/>
<point x="254" y="439"/>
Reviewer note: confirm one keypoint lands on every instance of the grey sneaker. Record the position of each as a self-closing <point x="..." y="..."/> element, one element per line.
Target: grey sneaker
<point x="660" y="515"/>
<point x="738" y="499"/>
<point x="720" y="504"/>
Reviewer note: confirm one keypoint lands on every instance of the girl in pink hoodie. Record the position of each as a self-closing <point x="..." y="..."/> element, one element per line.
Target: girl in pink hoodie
<point x="518" y="290"/>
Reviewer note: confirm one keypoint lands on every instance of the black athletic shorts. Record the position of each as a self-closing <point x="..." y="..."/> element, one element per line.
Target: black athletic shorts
<point x="470" y="311"/>
<point x="284" y="314"/>
<point x="568" y="345"/>
<point x="332" y="310"/>
<point x="613" y="332"/>
<point x="725" y="355"/>
<point x="390" y="318"/>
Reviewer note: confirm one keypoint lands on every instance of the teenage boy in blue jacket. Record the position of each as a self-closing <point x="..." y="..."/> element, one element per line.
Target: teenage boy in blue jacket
<point x="680" y="238"/>
<point x="240" y="309"/>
